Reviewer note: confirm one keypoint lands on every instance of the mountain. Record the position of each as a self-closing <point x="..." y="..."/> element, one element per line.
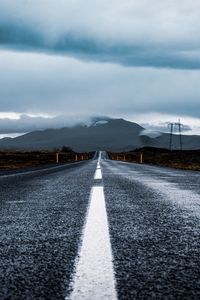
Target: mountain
<point x="101" y="134"/>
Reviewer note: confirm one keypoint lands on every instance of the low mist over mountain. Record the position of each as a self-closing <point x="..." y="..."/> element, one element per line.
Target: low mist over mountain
<point x="101" y="134"/>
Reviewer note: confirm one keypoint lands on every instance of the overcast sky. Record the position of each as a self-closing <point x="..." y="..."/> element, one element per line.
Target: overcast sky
<point x="136" y="59"/>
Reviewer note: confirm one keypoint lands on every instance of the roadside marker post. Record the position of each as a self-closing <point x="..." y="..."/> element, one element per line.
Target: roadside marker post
<point x="57" y="158"/>
<point x="141" y="158"/>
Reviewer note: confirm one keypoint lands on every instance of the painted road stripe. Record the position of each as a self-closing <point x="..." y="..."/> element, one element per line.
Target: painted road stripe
<point x="98" y="174"/>
<point x="14" y="202"/>
<point x="94" y="275"/>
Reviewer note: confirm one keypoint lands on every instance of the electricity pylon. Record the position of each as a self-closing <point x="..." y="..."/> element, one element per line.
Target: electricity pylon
<point x="172" y="127"/>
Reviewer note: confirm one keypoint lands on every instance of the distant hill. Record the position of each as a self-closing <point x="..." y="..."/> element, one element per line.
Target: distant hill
<point x="102" y="134"/>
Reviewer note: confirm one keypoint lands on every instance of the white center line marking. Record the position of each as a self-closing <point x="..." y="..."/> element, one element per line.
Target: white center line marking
<point x="13" y="202"/>
<point x="94" y="276"/>
<point x="98" y="174"/>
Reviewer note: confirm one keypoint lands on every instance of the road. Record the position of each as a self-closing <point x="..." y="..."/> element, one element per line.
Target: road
<point x="100" y="229"/>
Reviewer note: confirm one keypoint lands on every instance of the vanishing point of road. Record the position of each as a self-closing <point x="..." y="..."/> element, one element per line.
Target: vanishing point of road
<point x="100" y="229"/>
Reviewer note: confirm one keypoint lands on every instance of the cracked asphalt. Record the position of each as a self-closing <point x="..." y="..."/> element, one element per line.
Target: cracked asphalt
<point x="153" y="216"/>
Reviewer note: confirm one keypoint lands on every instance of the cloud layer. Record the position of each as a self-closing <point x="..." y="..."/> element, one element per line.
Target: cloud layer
<point x="152" y="122"/>
<point x="25" y="123"/>
<point x="132" y="32"/>
<point x="33" y="83"/>
<point x="77" y="59"/>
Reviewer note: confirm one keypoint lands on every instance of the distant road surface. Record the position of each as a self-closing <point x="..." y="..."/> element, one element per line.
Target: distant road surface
<point x="100" y="229"/>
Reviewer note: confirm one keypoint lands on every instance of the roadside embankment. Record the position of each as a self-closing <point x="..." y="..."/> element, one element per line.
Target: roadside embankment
<point x="10" y="160"/>
<point x="180" y="159"/>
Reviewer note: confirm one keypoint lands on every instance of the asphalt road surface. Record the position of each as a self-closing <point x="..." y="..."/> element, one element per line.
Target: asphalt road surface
<point x="100" y="230"/>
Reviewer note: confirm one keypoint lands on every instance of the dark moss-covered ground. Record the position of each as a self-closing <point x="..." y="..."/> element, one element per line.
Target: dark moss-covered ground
<point x="10" y="160"/>
<point x="185" y="159"/>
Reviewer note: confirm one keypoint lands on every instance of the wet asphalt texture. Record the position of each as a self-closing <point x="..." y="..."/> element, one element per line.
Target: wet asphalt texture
<point x="153" y="222"/>
<point x="42" y="215"/>
<point x="155" y="238"/>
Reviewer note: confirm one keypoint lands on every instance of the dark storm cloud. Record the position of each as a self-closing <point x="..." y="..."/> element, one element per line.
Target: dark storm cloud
<point x="85" y="58"/>
<point x="15" y="37"/>
<point x="132" y="34"/>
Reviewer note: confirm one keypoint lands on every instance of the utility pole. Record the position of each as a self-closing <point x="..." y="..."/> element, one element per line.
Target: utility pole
<point x="179" y="125"/>
<point x="173" y="126"/>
